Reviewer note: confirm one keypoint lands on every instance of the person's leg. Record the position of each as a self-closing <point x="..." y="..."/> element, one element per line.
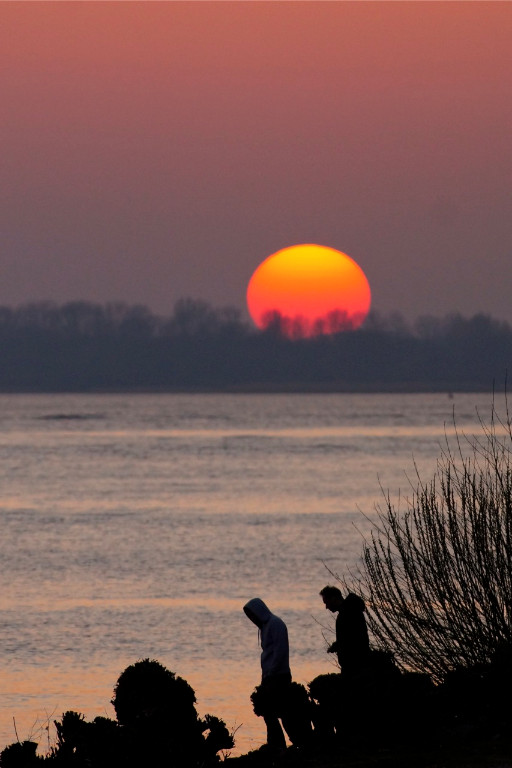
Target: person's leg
<point x="273" y="695"/>
<point x="275" y="735"/>
<point x="295" y="711"/>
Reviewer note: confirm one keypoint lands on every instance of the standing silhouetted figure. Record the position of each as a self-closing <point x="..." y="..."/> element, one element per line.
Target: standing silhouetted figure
<point x="352" y="648"/>
<point x="276" y="677"/>
<point x="352" y="645"/>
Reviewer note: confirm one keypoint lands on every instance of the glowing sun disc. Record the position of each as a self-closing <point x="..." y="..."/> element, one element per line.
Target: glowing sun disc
<point x="308" y="290"/>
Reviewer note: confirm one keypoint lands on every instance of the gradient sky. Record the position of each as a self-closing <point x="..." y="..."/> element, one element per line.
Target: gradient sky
<point x="156" y="150"/>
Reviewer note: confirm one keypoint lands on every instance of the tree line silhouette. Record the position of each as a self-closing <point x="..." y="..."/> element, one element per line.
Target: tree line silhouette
<point x="83" y="346"/>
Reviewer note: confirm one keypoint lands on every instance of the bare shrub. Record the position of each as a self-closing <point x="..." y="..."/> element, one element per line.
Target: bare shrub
<point x="437" y="575"/>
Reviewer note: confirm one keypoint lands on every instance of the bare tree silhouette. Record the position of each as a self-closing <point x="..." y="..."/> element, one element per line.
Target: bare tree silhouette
<point x="437" y="575"/>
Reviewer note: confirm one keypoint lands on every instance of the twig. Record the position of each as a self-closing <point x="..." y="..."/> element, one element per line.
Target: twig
<point x="15" y="729"/>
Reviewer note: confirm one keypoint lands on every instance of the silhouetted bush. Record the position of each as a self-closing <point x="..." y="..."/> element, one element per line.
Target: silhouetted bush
<point x="80" y="743"/>
<point x="437" y="576"/>
<point x="20" y="755"/>
<point x="157" y="708"/>
<point x="292" y="704"/>
<point x="157" y="726"/>
<point x="147" y="689"/>
<point x="326" y="692"/>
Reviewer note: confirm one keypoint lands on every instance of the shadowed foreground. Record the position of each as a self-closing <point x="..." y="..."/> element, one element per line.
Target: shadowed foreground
<point x="156" y="725"/>
<point x="386" y="719"/>
<point x="481" y="755"/>
<point x="393" y="719"/>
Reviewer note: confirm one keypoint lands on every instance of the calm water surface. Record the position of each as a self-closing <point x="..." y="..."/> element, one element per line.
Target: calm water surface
<point x="138" y="526"/>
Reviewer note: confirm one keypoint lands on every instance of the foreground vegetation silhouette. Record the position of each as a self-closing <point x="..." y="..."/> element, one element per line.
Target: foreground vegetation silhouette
<point x="437" y="569"/>
<point x="388" y="717"/>
<point x="156" y="725"/>
<point x="84" y="347"/>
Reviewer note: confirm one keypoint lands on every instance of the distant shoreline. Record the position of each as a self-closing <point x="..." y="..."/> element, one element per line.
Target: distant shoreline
<point x="88" y="348"/>
<point x="268" y="389"/>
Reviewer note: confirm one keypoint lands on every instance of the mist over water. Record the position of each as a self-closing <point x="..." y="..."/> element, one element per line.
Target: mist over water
<point x="137" y="526"/>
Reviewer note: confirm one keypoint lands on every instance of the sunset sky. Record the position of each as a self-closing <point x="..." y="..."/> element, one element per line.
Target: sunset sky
<point x="157" y="150"/>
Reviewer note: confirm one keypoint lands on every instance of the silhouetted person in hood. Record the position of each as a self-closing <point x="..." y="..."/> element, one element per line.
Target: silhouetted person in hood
<point x="275" y="670"/>
<point x="352" y="645"/>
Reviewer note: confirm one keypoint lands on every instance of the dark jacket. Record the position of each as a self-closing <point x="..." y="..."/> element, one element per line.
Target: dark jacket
<point x="352" y="643"/>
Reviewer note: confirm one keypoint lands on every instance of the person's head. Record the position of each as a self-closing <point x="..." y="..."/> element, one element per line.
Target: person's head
<point x="332" y="597"/>
<point x="257" y="611"/>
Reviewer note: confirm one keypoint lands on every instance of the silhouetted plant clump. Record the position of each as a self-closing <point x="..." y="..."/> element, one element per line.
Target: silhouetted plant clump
<point x="292" y="705"/>
<point x="147" y="690"/>
<point x="157" y="725"/>
<point x="21" y="754"/>
<point x="156" y="708"/>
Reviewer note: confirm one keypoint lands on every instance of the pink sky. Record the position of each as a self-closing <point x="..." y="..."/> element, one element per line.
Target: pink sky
<point x="157" y="150"/>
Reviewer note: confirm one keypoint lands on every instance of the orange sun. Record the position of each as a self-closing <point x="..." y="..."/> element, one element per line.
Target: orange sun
<point x="307" y="290"/>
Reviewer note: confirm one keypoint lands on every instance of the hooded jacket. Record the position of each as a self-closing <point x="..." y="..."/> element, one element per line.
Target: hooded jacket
<point x="274" y="638"/>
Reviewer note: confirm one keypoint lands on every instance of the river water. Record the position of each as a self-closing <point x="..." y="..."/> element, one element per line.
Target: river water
<point x="136" y="526"/>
